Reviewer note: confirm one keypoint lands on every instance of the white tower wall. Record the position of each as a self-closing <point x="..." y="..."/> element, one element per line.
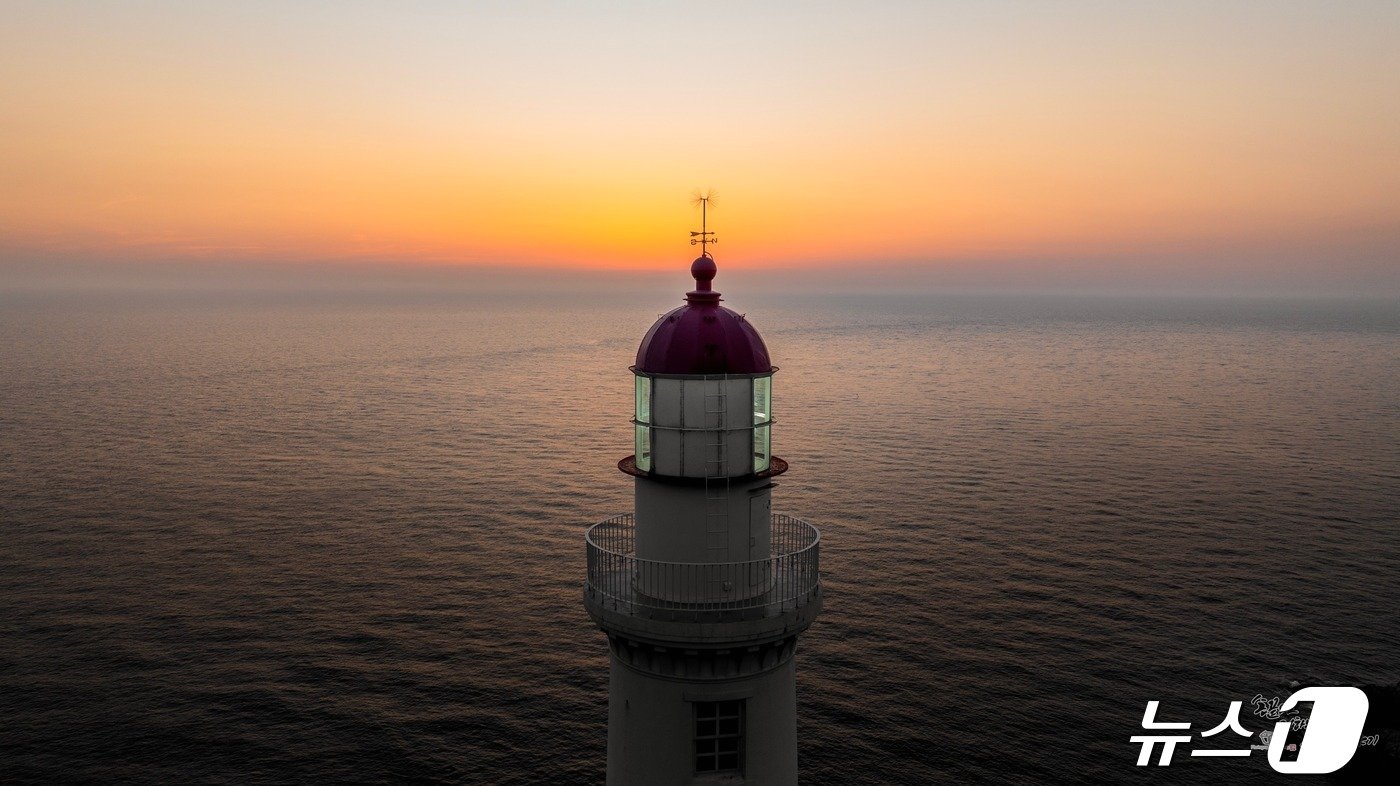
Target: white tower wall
<point x="651" y="719"/>
<point x="694" y="523"/>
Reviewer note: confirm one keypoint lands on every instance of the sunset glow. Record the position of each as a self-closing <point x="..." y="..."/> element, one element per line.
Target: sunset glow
<point x="523" y="134"/>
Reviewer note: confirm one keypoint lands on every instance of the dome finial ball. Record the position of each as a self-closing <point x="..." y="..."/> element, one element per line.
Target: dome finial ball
<point x="703" y="269"/>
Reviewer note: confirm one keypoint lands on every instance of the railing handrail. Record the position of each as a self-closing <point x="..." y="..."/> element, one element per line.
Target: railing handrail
<point x="785" y="582"/>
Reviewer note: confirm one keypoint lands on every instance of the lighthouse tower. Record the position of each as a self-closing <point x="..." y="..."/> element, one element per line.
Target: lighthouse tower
<point x="702" y="590"/>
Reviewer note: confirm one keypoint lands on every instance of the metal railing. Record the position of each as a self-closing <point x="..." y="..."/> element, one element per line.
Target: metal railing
<point x="619" y="581"/>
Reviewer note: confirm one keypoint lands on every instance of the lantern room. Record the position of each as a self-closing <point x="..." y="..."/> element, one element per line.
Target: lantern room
<point x="703" y="391"/>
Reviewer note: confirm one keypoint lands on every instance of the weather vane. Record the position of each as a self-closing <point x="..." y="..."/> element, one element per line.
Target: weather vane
<point x="704" y="237"/>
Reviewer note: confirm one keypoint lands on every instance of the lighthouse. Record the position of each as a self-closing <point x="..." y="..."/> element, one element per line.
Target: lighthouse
<point x="702" y="590"/>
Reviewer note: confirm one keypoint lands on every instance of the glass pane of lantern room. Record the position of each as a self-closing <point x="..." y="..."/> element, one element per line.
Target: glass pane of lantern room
<point x="762" y="417"/>
<point x="762" y="399"/>
<point x="643" y="408"/>
<point x="643" y="429"/>
<point x="642" y="448"/>
<point x="762" y="449"/>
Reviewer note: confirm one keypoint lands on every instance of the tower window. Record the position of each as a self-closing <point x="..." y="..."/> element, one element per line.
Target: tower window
<point x="719" y="736"/>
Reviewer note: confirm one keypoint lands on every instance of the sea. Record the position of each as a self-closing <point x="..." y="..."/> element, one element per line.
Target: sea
<point x="338" y="538"/>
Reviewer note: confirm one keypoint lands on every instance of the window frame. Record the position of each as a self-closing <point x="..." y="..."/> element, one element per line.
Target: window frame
<point x="715" y="712"/>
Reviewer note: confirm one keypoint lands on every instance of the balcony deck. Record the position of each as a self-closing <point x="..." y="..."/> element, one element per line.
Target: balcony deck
<point x="668" y="599"/>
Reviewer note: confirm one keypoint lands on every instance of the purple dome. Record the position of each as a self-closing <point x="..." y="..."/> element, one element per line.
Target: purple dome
<point x="703" y="337"/>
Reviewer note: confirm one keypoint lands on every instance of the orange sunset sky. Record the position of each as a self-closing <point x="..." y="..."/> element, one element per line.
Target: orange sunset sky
<point x="1172" y="141"/>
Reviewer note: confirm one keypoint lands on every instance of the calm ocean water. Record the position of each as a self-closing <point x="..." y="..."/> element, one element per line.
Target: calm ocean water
<point x="340" y="539"/>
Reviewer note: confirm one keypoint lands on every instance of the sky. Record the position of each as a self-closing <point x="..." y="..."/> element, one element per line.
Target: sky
<point x="1158" y="146"/>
